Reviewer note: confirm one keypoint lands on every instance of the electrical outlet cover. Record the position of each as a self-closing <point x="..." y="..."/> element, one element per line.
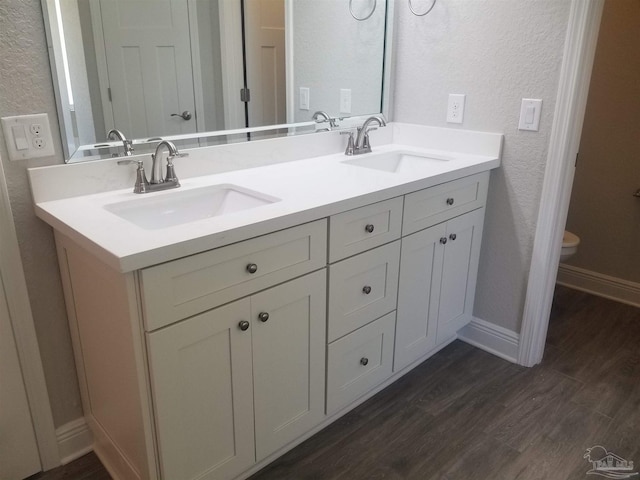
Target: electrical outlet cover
<point x="455" y="108"/>
<point x="33" y="140"/>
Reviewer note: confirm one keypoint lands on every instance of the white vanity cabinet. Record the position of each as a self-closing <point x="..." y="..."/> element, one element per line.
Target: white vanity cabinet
<point x="258" y="361"/>
<point x="207" y="366"/>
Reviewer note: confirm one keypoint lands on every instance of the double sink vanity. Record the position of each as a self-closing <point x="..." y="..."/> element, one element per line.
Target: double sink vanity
<point x="217" y="325"/>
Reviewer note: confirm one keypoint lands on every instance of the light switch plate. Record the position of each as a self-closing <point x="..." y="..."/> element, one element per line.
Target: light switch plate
<point x="530" y="114"/>
<point x="345" y="100"/>
<point x="304" y="98"/>
<point x="28" y="136"/>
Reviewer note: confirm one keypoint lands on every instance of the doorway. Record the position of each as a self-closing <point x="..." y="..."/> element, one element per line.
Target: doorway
<point x="603" y="211"/>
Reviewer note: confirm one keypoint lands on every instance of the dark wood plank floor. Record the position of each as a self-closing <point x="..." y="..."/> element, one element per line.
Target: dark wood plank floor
<point x="465" y="414"/>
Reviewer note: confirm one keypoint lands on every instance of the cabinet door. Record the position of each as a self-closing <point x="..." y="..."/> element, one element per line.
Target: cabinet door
<point x="459" y="273"/>
<point x="420" y="269"/>
<point x="202" y="387"/>
<point x="288" y="360"/>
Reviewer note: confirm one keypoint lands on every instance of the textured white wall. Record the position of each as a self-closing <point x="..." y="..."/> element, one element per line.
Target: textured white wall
<point x="334" y="51"/>
<point x="496" y="52"/>
<point x="603" y="213"/>
<point x="26" y="87"/>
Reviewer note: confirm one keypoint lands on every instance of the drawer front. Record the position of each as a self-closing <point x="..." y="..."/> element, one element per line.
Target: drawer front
<point x="364" y="228"/>
<point x="360" y="361"/>
<point x="363" y="288"/>
<point x="188" y="286"/>
<point x="440" y="203"/>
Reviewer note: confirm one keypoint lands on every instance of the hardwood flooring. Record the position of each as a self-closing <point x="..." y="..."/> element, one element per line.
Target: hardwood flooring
<point x="465" y="414"/>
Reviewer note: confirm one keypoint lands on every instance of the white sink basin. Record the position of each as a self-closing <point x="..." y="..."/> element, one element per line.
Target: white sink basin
<point x="397" y="162"/>
<point x="183" y="206"/>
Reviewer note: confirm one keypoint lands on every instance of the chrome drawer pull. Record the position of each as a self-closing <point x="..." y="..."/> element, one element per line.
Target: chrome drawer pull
<point x="263" y="316"/>
<point x="364" y="361"/>
<point x="366" y="289"/>
<point x="450" y="201"/>
<point x="453" y="236"/>
<point x="443" y="240"/>
<point x="369" y="228"/>
<point x="244" y="325"/>
<point x="252" y="268"/>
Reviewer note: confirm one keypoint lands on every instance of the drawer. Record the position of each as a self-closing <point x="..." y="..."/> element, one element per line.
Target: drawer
<point x="359" y="362"/>
<point x="191" y="285"/>
<point x="363" y="288"/>
<point x="437" y="204"/>
<point x="364" y="228"/>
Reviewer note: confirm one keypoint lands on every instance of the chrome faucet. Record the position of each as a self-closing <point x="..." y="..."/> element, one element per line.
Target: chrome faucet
<point x="321" y="117"/>
<point x="156" y="183"/>
<point x="115" y="134"/>
<point x="361" y="143"/>
<point x="156" y="167"/>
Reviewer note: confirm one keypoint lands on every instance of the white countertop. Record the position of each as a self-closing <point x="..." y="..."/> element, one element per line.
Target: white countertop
<point x="308" y="189"/>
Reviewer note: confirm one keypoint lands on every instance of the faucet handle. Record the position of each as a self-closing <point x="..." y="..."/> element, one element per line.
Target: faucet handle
<point x="171" y="172"/>
<point x="142" y="183"/>
<point x="350" y="145"/>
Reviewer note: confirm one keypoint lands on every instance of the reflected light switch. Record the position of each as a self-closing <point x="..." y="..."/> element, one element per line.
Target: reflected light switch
<point x="530" y="114"/>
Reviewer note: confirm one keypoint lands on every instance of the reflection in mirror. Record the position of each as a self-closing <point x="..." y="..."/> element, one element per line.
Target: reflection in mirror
<point x="204" y="72"/>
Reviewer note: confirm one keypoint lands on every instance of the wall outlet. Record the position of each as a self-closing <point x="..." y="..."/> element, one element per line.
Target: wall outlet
<point x="455" y="108"/>
<point x="304" y="98"/>
<point x="36" y="129"/>
<point x="28" y="136"/>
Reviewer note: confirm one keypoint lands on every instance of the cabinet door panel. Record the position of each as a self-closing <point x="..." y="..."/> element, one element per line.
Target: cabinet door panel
<point x="364" y="228"/>
<point x="359" y="361"/>
<point x="459" y="273"/>
<point x="288" y="361"/>
<point x="438" y="204"/>
<point x="203" y="398"/>
<point x="350" y="306"/>
<point x="420" y="269"/>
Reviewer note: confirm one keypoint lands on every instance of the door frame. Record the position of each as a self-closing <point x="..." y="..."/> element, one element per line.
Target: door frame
<point x="573" y="89"/>
<point x="25" y="334"/>
<point x="233" y="64"/>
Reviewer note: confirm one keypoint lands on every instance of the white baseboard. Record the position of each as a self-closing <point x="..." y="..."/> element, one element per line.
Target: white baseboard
<point x="74" y="440"/>
<point x="491" y="338"/>
<point x="599" y="284"/>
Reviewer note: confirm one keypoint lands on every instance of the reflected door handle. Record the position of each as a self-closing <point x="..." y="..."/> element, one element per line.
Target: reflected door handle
<point x="186" y="115"/>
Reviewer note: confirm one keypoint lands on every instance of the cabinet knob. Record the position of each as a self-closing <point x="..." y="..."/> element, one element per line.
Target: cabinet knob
<point x="364" y="361"/>
<point x="366" y="289"/>
<point x="252" y="268"/>
<point x="369" y="228"/>
<point x="263" y="316"/>
<point x="244" y="325"/>
<point x="450" y="201"/>
<point x="453" y="236"/>
<point x="443" y="240"/>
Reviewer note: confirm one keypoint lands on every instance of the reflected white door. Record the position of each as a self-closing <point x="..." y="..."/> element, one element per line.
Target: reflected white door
<point x="148" y="58"/>
<point x="18" y="449"/>
<point x="265" y="64"/>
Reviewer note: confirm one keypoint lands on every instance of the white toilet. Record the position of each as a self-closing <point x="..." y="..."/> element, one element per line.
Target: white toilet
<point x="570" y="242"/>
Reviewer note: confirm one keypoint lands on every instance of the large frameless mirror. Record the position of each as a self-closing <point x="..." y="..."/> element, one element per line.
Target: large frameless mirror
<point x="204" y="72"/>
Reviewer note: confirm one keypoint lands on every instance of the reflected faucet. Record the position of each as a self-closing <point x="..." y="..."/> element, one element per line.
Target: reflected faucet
<point x="115" y="134"/>
<point x="361" y="143"/>
<point x="321" y="116"/>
